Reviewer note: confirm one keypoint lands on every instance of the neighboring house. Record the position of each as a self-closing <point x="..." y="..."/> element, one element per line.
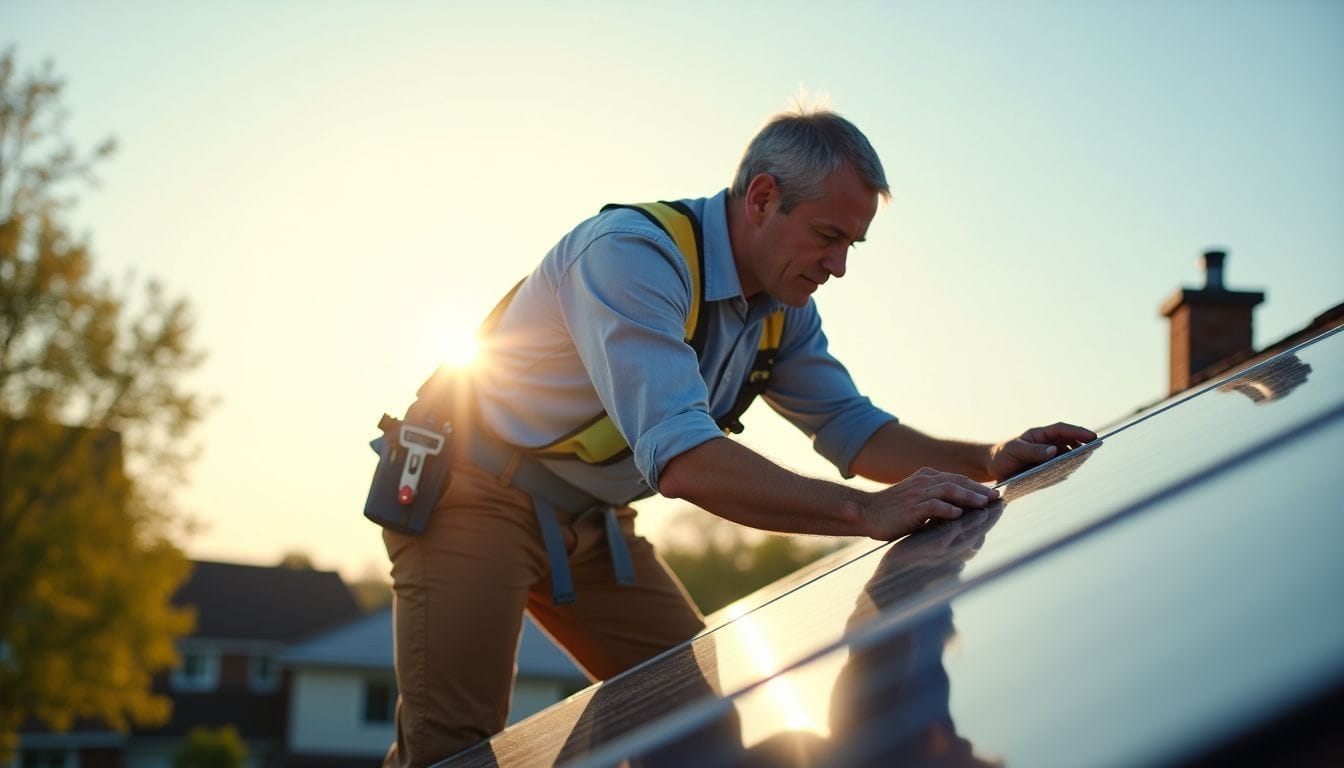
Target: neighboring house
<point x="286" y="657"/>
<point x="342" y="693"/>
<point x="229" y="673"/>
<point x="246" y="616"/>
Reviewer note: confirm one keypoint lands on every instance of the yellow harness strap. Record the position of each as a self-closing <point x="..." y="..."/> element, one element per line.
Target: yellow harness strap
<point x="598" y="441"/>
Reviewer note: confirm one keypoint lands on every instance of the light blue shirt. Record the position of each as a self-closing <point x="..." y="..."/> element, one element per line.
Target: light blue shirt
<point x="599" y="326"/>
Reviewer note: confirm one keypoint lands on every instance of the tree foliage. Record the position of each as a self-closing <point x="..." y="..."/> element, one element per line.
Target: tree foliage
<point x="212" y="748"/>
<point x="93" y="422"/>
<point x="719" y="562"/>
<point x="371" y="589"/>
<point x="296" y="560"/>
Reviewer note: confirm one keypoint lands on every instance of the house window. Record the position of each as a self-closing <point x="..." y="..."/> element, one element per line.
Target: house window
<point x="199" y="672"/>
<point x="263" y="674"/>
<point x="380" y="701"/>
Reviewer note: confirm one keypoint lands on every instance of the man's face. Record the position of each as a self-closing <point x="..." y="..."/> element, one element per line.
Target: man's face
<point x="793" y="253"/>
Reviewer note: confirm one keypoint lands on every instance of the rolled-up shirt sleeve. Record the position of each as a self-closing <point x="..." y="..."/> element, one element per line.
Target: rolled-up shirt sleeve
<point x="624" y="300"/>
<point x="812" y="390"/>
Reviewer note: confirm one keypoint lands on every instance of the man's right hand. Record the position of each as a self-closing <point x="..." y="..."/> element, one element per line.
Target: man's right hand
<point x="926" y="495"/>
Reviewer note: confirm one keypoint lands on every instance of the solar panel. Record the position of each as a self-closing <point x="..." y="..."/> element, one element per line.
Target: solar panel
<point x="1136" y="601"/>
<point x="1173" y="629"/>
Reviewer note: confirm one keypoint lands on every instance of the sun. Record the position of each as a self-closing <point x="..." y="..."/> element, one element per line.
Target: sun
<point x="458" y="349"/>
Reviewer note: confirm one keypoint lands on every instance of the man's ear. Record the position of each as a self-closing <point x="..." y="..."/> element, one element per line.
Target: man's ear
<point x="761" y="193"/>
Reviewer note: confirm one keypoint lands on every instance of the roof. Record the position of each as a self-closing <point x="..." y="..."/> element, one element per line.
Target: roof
<point x="250" y="602"/>
<point x="366" y="643"/>
<point x="1326" y="321"/>
<point x="1166" y="594"/>
<point x="1323" y="323"/>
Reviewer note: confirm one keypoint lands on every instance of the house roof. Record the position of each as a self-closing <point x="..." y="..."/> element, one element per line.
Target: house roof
<point x="1328" y="320"/>
<point x="1162" y="596"/>
<point x="366" y="642"/>
<point x="1321" y="324"/>
<point x="249" y="602"/>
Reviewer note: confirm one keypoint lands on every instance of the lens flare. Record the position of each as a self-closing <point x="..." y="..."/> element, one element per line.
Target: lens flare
<point x="458" y="350"/>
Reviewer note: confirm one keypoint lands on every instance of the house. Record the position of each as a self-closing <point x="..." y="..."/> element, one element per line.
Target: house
<point x="286" y="657"/>
<point x="246" y="616"/>
<point x="342" y="693"/>
<point x="229" y="672"/>
<point x="1211" y="328"/>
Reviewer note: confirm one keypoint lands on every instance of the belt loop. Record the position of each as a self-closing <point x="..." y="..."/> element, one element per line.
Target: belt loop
<point x="620" y="553"/>
<point x="562" y="584"/>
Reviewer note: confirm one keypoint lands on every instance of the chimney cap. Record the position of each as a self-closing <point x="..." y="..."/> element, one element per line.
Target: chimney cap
<point x="1214" y="292"/>
<point x="1213" y="260"/>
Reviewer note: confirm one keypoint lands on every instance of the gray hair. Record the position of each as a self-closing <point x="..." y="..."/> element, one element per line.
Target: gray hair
<point x="800" y="149"/>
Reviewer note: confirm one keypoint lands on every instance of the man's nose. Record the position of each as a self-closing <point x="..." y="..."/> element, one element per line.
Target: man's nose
<point x="834" y="261"/>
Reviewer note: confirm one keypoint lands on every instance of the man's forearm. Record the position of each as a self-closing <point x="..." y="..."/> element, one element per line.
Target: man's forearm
<point x="896" y="451"/>
<point x="738" y="484"/>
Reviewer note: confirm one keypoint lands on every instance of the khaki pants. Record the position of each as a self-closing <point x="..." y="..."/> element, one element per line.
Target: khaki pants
<point x="460" y="589"/>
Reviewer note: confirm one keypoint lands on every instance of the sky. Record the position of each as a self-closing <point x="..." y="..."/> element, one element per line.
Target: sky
<point x="342" y="190"/>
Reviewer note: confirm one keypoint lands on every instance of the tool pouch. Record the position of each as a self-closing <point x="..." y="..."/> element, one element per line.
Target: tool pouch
<point x="413" y="458"/>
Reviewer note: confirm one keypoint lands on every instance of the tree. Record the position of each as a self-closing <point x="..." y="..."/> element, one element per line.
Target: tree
<point x="372" y="590"/>
<point x="296" y="560"/>
<point x="93" y="422"/>
<point x="721" y="561"/>
<point x="206" y="748"/>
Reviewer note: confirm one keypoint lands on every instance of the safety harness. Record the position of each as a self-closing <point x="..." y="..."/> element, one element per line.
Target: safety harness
<point x="597" y="441"/>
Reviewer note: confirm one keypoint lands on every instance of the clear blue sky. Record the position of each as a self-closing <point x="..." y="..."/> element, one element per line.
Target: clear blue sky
<point x="340" y="188"/>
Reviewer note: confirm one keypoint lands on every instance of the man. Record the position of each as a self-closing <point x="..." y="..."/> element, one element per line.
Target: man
<point x="611" y="372"/>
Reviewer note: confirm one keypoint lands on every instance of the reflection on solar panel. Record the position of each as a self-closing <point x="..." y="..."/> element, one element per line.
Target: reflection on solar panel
<point x="1166" y="593"/>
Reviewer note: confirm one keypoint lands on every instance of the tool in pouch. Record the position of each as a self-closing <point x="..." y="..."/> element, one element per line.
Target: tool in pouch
<point x="413" y="457"/>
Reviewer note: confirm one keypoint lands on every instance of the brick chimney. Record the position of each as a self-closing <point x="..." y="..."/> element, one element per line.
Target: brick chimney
<point x="1208" y="325"/>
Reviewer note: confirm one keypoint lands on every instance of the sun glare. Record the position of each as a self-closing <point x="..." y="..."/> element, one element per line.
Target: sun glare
<point x="790" y="707"/>
<point x="458" y="349"/>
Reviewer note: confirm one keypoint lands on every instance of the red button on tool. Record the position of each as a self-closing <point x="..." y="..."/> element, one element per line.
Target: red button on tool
<point x="405" y="495"/>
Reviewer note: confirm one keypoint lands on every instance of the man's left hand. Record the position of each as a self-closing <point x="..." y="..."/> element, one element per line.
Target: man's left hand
<point x="1034" y="447"/>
